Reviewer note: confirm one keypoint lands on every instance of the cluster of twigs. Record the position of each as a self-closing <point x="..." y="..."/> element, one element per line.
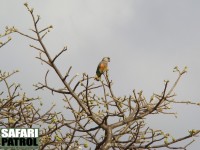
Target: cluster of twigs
<point x="7" y="32"/>
<point x="98" y="118"/>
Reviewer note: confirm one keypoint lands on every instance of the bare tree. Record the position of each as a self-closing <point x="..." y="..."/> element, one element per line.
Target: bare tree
<point x="17" y="110"/>
<point x="99" y="118"/>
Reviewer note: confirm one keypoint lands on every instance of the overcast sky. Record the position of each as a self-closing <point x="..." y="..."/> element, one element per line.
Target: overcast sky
<point x="144" y="39"/>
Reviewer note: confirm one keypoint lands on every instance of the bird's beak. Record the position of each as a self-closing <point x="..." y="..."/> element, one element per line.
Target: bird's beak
<point x="108" y="59"/>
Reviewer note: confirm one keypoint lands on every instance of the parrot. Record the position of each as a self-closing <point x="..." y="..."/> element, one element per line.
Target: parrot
<point x="102" y="67"/>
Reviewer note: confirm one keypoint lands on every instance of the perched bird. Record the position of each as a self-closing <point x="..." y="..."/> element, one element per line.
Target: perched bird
<point x="102" y="67"/>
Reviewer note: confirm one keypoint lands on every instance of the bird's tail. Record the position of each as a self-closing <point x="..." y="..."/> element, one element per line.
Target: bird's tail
<point x="97" y="78"/>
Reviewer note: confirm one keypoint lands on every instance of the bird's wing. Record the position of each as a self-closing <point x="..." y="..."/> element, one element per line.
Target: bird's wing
<point x="102" y="67"/>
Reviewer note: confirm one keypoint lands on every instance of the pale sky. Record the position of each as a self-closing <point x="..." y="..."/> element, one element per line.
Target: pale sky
<point x="145" y="40"/>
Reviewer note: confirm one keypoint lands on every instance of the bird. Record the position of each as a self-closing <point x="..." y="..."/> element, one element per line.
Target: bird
<point x="102" y="67"/>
